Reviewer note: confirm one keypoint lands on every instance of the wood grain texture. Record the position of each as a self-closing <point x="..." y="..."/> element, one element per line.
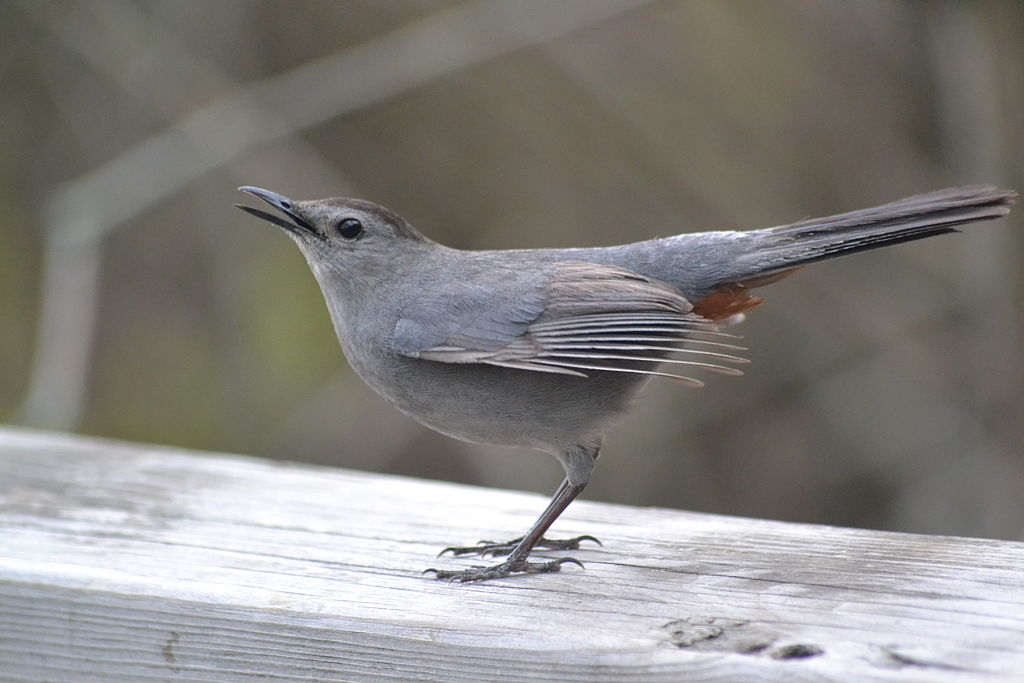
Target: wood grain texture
<point x="130" y="562"/>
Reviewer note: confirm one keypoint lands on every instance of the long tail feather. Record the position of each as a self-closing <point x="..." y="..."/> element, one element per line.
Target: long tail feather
<point x="913" y="218"/>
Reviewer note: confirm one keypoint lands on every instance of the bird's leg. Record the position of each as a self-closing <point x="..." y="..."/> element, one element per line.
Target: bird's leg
<point x="494" y="549"/>
<point x="516" y="562"/>
<point x="579" y="463"/>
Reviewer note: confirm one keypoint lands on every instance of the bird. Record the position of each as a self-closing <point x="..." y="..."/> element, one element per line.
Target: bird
<point x="547" y="348"/>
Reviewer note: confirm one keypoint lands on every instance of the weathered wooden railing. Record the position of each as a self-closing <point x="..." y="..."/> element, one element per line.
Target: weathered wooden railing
<point x="124" y="562"/>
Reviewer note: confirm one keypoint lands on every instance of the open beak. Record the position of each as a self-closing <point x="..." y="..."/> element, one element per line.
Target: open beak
<point x="295" y="224"/>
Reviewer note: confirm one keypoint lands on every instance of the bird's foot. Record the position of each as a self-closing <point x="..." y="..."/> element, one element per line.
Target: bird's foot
<point x="492" y="549"/>
<point x="499" y="571"/>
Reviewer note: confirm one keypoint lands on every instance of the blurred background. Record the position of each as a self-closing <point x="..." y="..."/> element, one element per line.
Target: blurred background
<point x="887" y="389"/>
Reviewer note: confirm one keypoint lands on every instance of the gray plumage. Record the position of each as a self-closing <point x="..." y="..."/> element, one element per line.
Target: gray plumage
<point x="545" y="348"/>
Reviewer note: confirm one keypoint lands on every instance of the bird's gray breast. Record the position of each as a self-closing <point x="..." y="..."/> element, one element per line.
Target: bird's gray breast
<point x="502" y="406"/>
<point x="473" y="401"/>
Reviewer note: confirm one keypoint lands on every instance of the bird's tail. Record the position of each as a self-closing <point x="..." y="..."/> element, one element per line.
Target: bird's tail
<point x="913" y="218"/>
<point x="773" y="253"/>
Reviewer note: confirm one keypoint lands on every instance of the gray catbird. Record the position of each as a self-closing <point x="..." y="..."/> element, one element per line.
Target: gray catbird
<point x="545" y="348"/>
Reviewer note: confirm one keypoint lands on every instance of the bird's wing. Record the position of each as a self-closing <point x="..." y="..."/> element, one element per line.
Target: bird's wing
<point x="575" y="319"/>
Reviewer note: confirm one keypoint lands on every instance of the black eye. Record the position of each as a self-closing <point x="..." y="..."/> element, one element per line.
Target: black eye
<point x="349" y="228"/>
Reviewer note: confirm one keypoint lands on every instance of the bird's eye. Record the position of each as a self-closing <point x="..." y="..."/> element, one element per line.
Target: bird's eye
<point x="349" y="228"/>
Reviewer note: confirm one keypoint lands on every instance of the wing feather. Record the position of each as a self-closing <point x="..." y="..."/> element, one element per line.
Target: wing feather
<point x="588" y="317"/>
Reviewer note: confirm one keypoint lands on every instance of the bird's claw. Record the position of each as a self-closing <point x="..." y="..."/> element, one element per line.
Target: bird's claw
<point x="499" y="571"/>
<point x="492" y="549"/>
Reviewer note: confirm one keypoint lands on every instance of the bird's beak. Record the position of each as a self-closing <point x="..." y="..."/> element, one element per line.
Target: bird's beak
<point x="296" y="223"/>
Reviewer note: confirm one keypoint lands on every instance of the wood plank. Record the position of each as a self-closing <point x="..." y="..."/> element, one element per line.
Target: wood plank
<point x="130" y="562"/>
